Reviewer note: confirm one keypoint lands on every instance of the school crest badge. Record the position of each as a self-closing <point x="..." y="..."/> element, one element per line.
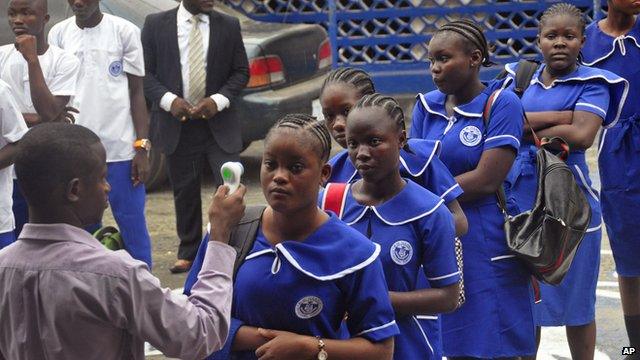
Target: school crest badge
<point x="470" y="136"/>
<point x="115" y="69"/>
<point x="308" y="307"/>
<point x="401" y="252"/>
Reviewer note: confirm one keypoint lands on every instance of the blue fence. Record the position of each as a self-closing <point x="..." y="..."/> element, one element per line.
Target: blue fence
<point x="388" y="38"/>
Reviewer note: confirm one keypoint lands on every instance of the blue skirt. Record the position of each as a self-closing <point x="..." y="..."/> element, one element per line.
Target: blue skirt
<point x="497" y="317"/>
<point x="619" y="163"/>
<point x="573" y="301"/>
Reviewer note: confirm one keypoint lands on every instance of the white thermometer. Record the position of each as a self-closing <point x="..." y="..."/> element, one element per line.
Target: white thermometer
<point x="231" y="172"/>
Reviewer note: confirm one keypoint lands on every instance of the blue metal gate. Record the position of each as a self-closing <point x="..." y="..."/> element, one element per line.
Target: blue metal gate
<point x="388" y="38"/>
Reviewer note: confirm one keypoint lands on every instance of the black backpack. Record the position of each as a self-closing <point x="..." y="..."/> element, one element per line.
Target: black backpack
<point x="547" y="237"/>
<point x="243" y="235"/>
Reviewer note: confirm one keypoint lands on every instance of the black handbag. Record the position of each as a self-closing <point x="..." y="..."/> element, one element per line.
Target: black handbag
<point x="547" y="237"/>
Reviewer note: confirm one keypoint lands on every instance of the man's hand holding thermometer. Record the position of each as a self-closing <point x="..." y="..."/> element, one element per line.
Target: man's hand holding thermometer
<point x="227" y="205"/>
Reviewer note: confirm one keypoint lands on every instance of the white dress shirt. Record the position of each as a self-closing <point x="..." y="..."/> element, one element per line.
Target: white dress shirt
<point x="184" y="30"/>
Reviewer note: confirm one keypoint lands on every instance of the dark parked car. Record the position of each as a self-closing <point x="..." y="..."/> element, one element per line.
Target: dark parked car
<point x="288" y="64"/>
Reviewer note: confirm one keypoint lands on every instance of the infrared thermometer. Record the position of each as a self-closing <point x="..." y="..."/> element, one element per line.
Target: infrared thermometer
<point x="231" y="172"/>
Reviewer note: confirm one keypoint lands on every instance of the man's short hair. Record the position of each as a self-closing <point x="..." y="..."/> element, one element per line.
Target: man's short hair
<point x="50" y="155"/>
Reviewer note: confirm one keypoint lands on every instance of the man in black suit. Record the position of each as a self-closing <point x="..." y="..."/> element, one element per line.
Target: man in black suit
<point x="196" y="65"/>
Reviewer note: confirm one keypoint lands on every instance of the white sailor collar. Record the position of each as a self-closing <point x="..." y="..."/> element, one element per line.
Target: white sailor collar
<point x="601" y="42"/>
<point x="618" y="86"/>
<point x="434" y="102"/>
<point x="331" y="252"/>
<point x="413" y="202"/>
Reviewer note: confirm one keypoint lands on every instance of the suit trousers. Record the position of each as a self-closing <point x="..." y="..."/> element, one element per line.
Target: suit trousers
<point x="196" y="145"/>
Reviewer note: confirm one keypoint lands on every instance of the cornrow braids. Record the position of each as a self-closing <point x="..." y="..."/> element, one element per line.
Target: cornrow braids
<point x="563" y="9"/>
<point x="309" y="124"/>
<point x="390" y="106"/>
<point x="473" y="34"/>
<point x="359" y="79"/>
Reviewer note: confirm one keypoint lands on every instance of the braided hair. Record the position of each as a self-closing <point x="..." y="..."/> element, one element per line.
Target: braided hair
<point x="390" y="106"/>
<point x="309" y="124"/>
<point x="357" y="78"/>
<point x="564" y="9"/>
<point x="473" y="35"/>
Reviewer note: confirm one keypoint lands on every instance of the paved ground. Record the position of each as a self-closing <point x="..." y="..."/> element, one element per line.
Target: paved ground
<point x="161" y="223"/>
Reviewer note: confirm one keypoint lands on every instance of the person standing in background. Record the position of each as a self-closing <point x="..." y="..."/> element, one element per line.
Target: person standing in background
<point x="192" y="120"/>
<point x="111" y="102"/>
<point x="614" y="44"/>
<point x="42" y="78"/>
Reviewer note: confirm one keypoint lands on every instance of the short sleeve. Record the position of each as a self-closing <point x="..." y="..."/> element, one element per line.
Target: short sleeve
<point x="594" y="99"/>
<point x="54" y="36"/>
<point x="12" y="123"/>
<point x="506" y="121"/>
<point x="64" y="81"/>
<point x="438" y="244"/>
<point x="370" y="314"/>
<point x="133" y="58"/>
<point x="438" y="179"/>
<point x="418" y="119"/>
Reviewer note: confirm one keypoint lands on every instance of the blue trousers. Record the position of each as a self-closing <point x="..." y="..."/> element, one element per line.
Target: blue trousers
<point x="127" y="205"/>
<point x="6" y="239"/>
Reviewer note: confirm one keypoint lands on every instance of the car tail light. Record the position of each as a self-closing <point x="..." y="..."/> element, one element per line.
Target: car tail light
<point x="265" y="70"/>
<point x="324" y="54"/>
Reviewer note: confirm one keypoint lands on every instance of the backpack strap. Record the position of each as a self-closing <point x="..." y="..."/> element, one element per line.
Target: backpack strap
<point x="333" y="198"/>
<point x="524" y="74"/>
<point x="244" y="234"/>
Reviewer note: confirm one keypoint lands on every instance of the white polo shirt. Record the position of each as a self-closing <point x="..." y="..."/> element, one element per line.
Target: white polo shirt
<point x="60" y="69"/>
<point x="107" y="53"/>
<point x="12" y="128"/>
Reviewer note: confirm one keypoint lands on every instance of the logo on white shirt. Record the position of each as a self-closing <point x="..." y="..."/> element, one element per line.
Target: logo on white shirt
<point x="470" y="136"/>
<point x="308" y="307"/>
<point x="115" y="69"/>
<point x="401" y="252"/>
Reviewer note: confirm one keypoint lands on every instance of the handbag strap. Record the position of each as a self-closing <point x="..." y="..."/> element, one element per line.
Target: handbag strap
<point x="334" y="198"/>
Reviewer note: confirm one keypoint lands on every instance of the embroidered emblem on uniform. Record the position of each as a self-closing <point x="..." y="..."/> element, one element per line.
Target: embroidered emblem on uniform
<point x="115" y="69"/>
<point x="470" y="136"/>
<point x="401" y="252"/>
<point x="308" y="307"/>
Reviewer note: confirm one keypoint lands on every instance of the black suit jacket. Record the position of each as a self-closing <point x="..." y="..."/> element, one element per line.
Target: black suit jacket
<point x="227" y="74"/>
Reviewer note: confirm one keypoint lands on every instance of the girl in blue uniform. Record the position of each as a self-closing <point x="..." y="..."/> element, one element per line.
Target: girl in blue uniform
<point x="412" y="226"/>
<point x="418" y="159"/>
<point x="571" y="101"/>
<point x="614" y="44"/>
<point x="307" y="269"/>
<point x="496" y="321"/>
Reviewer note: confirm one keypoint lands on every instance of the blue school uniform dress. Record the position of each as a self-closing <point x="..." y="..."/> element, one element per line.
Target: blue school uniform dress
<point x="421" y="165"/>
<point x="307" y="287"/>
<point x="620" y="145"/>
<point x="586" y="89"/>
<point x="496" y="319"/>
<point x="415" y="232"/>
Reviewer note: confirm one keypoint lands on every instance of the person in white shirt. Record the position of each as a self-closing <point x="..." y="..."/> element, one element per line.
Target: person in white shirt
<point x="111" y="102"/>
<point x="42" y="78"/>
<point x="12" y="128"/>
<point x="196" y="66"/>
